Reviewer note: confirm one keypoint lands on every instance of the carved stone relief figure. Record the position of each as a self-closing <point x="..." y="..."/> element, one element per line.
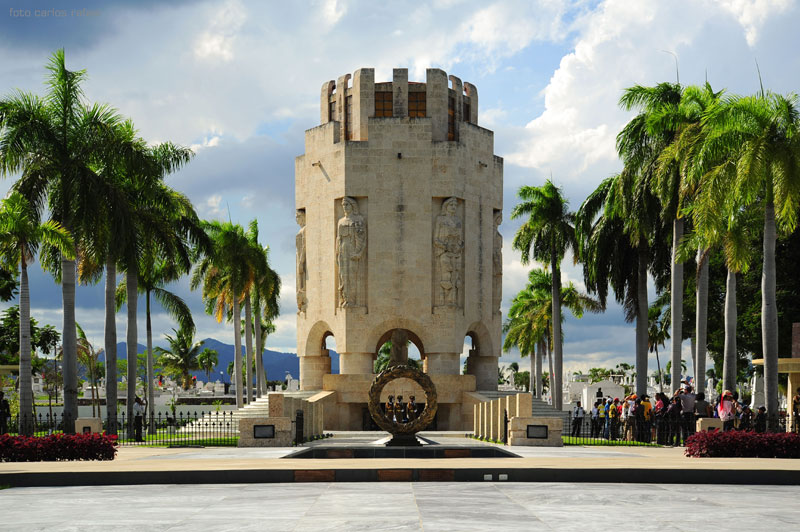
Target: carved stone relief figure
<point x="448" y="249"/>
<point x="351" y="241"/>
<point x="497" y="263"/>
<point x="302" y="273"/>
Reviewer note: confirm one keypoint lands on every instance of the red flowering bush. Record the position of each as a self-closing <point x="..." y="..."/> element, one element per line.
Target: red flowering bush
<point x="57" y="447"/>
<point x="743" y="444"/>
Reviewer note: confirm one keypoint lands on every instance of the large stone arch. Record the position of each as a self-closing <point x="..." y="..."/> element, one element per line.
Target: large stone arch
<point x="315" y="360"/>
<point x="482" y="360"/>
<point x="411" y="336"/>
<point x="315" y="339"/>
<point x="381" y="332"/>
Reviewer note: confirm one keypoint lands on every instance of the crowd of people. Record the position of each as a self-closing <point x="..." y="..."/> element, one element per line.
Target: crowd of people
<point x="662" y="419"/>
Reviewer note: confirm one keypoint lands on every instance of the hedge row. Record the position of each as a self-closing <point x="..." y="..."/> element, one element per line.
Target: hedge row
<point x="57" y="447"/>
<point x="743" y="444"/>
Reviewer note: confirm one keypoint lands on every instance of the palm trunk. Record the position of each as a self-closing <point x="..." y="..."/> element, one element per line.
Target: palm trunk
<point x="248" y="342"/>
<point x="641" y="321"/>
<point x="110" y="345"/>
<point x="550" y="364"/>
<point x="25" y="382"/>
<point x="538" y="374"/>
<point x="702" y="322"/>
<point x="730" y="354"/>
<point x="91" y="385"/>
<point x="769" y="313"/>
<point x="237" y="350"/>
<point x="131" y="279"/>
<point x="260" y="389"/>
<point x="676" y="304"/>
<point x="69" y="344"/>
<point x="150" y="377"/>
<point x="555" y="379"/>
<point x="660" y="375"/>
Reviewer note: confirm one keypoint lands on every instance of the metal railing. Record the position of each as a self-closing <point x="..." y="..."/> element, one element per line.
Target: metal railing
<point x="161" y="429"/>
<point x="632" y="431"/>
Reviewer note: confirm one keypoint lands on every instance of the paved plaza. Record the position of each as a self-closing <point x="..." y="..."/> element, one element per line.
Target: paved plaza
<point x="401" y="506"/>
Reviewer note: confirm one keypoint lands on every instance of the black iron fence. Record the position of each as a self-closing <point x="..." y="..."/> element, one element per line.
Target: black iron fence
<point x="632" y="431"/>
<point x="161" y="429"/>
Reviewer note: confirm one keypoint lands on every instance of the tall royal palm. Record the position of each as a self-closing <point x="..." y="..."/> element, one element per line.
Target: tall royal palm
<point x="664" y="115"/>
<point x="20" y="237"/>
<point x="160" y="221"/>
<point x="761" y="135"/>
<point x="610" y="259"/>
<point x="640" y="145"/>
<point x="264" y="295"/>
<point x="226" y="276"/>
<point x="676" y="185"/>
<point x="55" y="143"/>
<point x="546" y="236"/>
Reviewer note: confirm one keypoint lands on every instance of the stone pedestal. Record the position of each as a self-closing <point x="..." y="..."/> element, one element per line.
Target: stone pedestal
<point x="281" y="429"/>
<point x="518" y="431"/>
<point x="88" y="425"/>
<point x="704" y="424"/>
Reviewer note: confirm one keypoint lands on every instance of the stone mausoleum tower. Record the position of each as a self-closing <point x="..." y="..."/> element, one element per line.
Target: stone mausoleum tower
<point x="399" y="198"/>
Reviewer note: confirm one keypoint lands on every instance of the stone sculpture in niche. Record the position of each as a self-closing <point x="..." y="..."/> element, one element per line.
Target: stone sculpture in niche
<point x="302" y="273"/>
<point x="351" y="241"/>
<point x="497" y="263"/>
<point x="448" y="247"/>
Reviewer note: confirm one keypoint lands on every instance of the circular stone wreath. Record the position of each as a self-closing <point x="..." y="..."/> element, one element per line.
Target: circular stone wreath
<point x="400" y="372"/>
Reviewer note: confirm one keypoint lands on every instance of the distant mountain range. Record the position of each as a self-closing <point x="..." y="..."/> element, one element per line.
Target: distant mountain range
<point x="276" y="363"/>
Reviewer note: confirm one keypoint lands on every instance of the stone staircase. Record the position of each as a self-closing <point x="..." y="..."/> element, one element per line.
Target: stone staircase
<point x="497" y="394"/>
<point x="540" y="408"/>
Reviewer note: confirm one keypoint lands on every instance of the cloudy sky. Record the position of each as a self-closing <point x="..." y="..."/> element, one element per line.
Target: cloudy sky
<point x="239" y="82"/>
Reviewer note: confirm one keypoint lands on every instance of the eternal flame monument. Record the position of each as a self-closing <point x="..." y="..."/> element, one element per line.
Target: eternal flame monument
<point x="399" y="198"/>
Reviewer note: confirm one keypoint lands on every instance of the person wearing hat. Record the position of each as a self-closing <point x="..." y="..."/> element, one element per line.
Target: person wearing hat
<point x="687" y="399"/>
<point x="727" y="410"/>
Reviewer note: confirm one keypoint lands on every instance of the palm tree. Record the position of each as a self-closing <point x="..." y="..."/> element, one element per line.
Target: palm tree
<point x="182" y="356"/>
<point x="760" y="135"/>
<point x="546" y="236"/>
<point x="611" y="260"/>
<point x="639" y="145"/>
<point x="161" y="221"/>
<point x="676" y="189"/>
<point x="657" y="335"/>
<point x="265" y="296"/>
<point x="527" y="328"/>
<point x="88" y="356"/>
<point x="530" y="322"/>
<point x="54" y="144"/>
<point x="226" y="276"/>
<point x="207" y="359"/>
<point x="21" y="234"/>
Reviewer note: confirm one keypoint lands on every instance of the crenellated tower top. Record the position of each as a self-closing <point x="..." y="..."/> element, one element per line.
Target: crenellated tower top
<point x="353" y="100"/>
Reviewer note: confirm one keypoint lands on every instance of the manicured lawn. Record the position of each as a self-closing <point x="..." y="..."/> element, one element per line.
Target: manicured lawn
<point x="569" y="440"/>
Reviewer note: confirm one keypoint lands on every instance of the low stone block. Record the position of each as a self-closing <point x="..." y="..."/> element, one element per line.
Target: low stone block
<point x="88" y="425"/>
<point x="705" y="424"/>
<point x="518" y="431"/>
<point x="281" y="437"/>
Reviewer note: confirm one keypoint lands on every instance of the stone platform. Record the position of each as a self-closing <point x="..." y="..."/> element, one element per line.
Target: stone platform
<point x="154" y="465"/>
